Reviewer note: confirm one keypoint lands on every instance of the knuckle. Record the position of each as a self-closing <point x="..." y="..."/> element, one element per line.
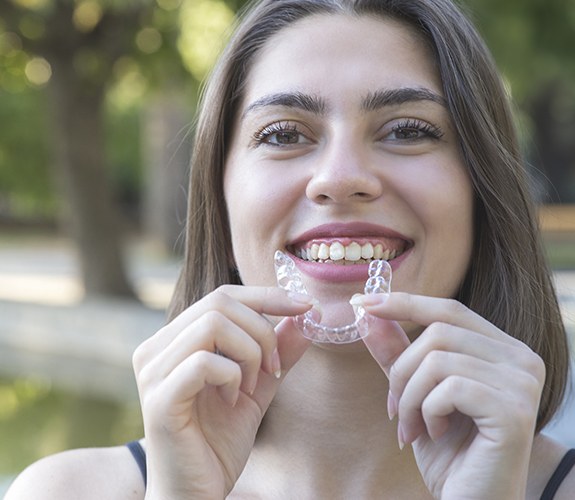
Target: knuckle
<point x="436" y="337"/>
<point x="531" y="363"/>
<point x="435" y="360"/>
<point x="226" y="289"/>
<point x="142" y="355"/>
<point x="215" y="319"/>
<point x="454" y="383"/>
<point x="218" y="299"/>
<point x="536" y="366"/>
<point x="200" y="360"/>
<point x="435" y="333"/>
<point x="139" y="357"/>
<point x="405" y="299"/>
<point x="396" y="374"/>
<point x="455" y="308"/>
<point x="530" y="385"/>
<point x="146" y="377"/>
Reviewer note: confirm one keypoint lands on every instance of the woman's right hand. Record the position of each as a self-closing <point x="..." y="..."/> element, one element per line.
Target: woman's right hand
<point x="205" y="382"/>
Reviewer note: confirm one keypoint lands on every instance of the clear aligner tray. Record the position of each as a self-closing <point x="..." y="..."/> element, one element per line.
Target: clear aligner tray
<point x="289" y="278"/>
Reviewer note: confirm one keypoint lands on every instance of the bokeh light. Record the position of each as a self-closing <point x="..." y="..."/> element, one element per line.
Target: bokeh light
<point x="204" y="29"/>
<point x="87" y="15"/>
<point x="38" y="71"/>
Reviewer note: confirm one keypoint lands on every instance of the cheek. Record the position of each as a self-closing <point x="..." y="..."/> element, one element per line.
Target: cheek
<point x="254" y="201"/>
<point x="453" y="228"/>
<point x="259" y="206"/>
<point x="441" y="199"/>
<point x="441" y="194"/>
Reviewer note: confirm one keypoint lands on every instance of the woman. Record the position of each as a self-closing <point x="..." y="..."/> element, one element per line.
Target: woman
<point x="348" y="123"/>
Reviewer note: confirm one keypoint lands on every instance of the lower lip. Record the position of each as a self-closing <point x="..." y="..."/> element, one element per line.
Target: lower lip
<point x="336" y="273"/>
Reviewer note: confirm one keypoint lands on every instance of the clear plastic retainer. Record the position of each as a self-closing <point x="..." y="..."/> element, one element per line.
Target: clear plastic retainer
<point x="289" y="279"/>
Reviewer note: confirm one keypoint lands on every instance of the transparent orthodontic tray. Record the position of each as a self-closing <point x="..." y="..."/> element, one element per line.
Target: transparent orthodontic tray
<point x="289" y="278"/>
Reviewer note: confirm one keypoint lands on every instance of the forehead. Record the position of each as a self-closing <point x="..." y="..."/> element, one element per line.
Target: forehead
<point x="337" y="54"/>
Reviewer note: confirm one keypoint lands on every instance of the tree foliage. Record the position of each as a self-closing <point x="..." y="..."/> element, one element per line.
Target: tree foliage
<point x="130" y="47"/>
<point x="532" y="41"/>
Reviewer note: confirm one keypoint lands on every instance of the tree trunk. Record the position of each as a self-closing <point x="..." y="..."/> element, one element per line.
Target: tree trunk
<point x="90" y="214"/>
<point x="553" y="115"/>
<point x="166" y="147"/>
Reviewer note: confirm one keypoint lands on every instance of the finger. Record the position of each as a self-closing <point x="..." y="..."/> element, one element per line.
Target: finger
<point x="185" y="382"/>
<point x="386" y="342"/>
<point x="242" y="314"/>
<point x="500" y="412"/>
<point x="272" y="301"/>
<point x="213" y="332"/>
<point x="469" y="397"/>
<point x="424" y="311"/>
<point x="434" y="369"/>
<point x="441" y="337"/>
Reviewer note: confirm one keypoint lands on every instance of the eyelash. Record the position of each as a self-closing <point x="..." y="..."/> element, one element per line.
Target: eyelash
<point x="262" y="136"/>
<point x="429" y="130"/>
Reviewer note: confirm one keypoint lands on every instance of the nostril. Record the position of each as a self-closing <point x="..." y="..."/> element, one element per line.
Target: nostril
<point x="322" y="198"/>
<point x="362" y="195"/>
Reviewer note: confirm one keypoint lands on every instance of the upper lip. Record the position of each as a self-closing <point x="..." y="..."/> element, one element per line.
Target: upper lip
<point x="348" y="230"/>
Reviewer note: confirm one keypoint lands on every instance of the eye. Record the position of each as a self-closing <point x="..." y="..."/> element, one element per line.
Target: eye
<point x="280" y="134"/>
<point x="412" y="130"/>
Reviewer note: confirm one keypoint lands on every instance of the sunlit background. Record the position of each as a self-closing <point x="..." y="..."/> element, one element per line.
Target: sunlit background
<point x="97" y="99"/>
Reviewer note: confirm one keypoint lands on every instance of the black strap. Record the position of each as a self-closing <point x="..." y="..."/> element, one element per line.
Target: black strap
<point x="566" y="464"/>
<point x="564" y="467"/>
<point x="140" y="457"/>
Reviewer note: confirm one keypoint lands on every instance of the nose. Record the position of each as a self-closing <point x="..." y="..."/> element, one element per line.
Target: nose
<point x="343" y="175"/>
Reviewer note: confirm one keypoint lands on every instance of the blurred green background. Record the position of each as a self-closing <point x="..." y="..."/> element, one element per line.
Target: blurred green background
<point x="97" y="99"/>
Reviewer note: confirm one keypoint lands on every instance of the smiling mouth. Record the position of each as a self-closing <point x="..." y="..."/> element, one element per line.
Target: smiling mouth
<point x="349" y="252"/>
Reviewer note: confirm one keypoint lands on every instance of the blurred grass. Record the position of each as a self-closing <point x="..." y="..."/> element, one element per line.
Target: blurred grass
<point x="37" y="419"/>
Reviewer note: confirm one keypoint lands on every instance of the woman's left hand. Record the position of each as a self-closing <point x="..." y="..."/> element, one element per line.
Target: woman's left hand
<point x="466" y="395"/>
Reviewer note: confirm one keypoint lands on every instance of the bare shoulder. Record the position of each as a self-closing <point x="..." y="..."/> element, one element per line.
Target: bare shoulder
<point x="545" y="458"/>
<point x="91" y="473"/>
<point x="567" y="489"/>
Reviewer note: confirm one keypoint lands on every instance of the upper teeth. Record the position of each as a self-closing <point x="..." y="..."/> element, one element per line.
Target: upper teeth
<point x="353" y="252"/>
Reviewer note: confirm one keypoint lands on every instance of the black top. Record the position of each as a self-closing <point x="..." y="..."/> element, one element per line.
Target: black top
<point x="560" y="473"/>
<point x="140" y="456"/>
<point x="566" y="464"/>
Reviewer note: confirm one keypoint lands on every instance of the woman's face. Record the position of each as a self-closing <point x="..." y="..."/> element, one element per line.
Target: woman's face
<point x="343" y="147"/>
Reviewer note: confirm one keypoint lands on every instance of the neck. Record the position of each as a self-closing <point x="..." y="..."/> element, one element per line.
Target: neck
<point x="329" y="423"/>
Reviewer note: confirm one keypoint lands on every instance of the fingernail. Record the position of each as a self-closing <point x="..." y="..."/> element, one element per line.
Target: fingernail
<point x="302" y="298"/>
<point x="253" y="387"/>
<point x="276" y="364"/>
<point x="400" y="436"/>
<point x="391" y="405"/>
<point x="370" y="299"/>
<point x="356" y="299"/>
<point x="231" y="397"/>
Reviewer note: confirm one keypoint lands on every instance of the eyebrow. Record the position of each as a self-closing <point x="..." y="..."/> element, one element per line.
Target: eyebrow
<point x="394" y="97"/>
<point x="298" y="100"/>
<point x="372" y="102"/>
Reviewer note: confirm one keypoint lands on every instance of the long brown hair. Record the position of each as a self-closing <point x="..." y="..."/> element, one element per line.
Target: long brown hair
<point x="508" y="281"/>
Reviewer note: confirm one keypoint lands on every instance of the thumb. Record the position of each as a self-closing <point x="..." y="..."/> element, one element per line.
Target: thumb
<point x="386" y="341"/>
